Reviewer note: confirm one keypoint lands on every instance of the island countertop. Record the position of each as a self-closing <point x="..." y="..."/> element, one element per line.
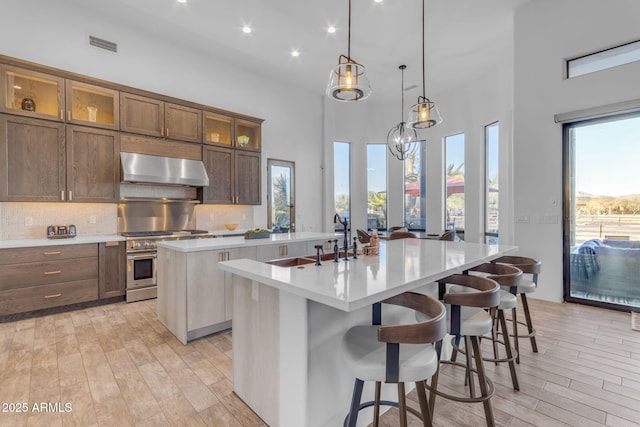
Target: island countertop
<point x="197" y="245"/>
<point x="402" y="265"/>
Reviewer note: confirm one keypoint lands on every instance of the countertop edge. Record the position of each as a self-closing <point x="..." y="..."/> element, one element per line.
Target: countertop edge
<point x="78" y="240"/>
<point x="212" y="244"/>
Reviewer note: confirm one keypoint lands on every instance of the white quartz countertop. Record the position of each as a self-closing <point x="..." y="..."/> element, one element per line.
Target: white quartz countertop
<point x="197" y="245"/>
<point x="28" y="243"/>
<point x="402" y="265"/>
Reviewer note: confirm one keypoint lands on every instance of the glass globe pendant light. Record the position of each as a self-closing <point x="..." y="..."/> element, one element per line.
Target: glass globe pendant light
<point x="401" y="140"/>
<point x="348" y="81"/>
<point x="424" y="114"/>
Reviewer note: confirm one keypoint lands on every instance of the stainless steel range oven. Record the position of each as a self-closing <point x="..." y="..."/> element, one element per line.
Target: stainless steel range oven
<point x="141" y="259"/>
<point x="143" y="223"/>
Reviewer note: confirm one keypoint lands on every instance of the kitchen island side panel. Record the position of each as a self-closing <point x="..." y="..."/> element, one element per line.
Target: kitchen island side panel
<point x="172" y="292"/>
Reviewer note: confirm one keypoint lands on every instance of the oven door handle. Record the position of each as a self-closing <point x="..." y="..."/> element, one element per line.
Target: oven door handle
<point x="136" y="257"/>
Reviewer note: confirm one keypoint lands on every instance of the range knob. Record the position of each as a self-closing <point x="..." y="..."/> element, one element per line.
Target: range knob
<point x="137" y="245"/>
<point x="147" y="244"/>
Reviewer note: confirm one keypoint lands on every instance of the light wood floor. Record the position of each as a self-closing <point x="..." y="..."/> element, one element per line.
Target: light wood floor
<point x="117" y="366"/>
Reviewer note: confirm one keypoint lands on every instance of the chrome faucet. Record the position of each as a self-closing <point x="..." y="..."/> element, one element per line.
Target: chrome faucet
<point x="337" y="218"/>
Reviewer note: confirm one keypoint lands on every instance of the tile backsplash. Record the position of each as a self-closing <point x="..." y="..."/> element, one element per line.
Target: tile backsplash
<point x="214" y="217"/>
<point x="30" y="220"/>
<point x="22" y="220"/>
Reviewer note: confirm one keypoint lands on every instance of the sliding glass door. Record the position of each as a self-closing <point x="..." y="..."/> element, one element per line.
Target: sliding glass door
<point x="602" y="211"/>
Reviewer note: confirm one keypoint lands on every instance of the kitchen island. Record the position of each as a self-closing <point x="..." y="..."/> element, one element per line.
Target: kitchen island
<point x="195" y="297"/>
<point x="289" y="321"/>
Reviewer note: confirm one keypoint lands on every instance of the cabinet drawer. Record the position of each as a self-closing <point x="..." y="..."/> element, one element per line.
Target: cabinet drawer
<point x="46" y="296"/>
<point x="47" y="253"/>
<point x="17" y="276"/>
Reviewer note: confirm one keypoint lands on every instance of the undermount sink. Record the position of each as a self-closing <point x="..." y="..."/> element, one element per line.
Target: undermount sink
<point x="291" y="262"/>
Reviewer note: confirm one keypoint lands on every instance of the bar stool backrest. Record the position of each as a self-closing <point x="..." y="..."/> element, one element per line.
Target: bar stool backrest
<point x="401" y="235"/>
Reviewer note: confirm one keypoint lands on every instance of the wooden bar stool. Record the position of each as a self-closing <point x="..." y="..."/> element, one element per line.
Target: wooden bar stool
<point x="383" y="353"/>
<point x="508" y="277"/>
<point x="468" y="319"/>
<point x="530" y="267"/>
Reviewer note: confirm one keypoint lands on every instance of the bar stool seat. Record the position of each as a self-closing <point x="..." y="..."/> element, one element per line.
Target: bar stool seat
<point x="366" y="357"/>
<point x="396" y="354"/>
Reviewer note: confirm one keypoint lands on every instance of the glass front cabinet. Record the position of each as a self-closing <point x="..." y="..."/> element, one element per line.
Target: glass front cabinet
<point x="31" y="93"/>
<point x="92" y="105"/>
<point x="247" y="135"/>
<point x="218" y="129"/>
<point x="34" y="94"/>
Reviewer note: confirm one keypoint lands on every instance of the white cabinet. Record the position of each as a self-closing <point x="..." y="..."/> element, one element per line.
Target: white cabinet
<point x="195" y="297"/>
<point x="282" y="250"/>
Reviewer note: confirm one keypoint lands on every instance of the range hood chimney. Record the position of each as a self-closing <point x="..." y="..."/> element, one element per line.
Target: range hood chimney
<point x="144" y="168"/>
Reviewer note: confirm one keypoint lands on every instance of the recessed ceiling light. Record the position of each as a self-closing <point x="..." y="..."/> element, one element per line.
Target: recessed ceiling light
<point x="331" y="29"/>
<point x="295" y="52"/>
<point x="182" y="1"/>
<point x="378" y="1"/>
<point x="246" y="29"/>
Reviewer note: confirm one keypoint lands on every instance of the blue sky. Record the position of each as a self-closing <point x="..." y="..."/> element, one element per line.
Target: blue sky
<point x="608" y="158"/>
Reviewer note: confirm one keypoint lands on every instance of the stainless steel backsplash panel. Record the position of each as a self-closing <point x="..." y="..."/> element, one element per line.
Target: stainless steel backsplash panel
<point x="155" y="215"/>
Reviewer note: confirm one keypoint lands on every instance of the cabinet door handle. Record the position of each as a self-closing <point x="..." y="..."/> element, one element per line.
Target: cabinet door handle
<point x="52" y="296"/>
<point x="61" y="114"/>
<point x="62" y="195"/>
<point x="70" y="195"/>
<point x="49" y="273"/>
<point x="51" y="253"/>
<point x="167" y="133"/>
<point x="69" y="115"/>
<point x="162" y="131"/>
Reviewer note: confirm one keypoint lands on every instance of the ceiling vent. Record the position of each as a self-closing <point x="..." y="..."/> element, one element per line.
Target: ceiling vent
<point x="103" y="44"/>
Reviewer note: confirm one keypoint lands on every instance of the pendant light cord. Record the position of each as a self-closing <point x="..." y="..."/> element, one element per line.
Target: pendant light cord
<point x="349" y="36"/>
<point x="423" y="62"/>
<point x="402" y="67"/>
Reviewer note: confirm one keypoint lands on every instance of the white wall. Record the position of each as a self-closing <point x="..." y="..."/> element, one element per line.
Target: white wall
<point x="56" y="33"/>
<point x="546" y="33"/>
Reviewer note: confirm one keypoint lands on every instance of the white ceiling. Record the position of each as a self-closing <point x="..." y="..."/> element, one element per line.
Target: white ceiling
<point x="464" y="37"/>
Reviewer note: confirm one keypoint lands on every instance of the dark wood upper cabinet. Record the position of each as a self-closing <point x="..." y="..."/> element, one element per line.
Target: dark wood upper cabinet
<point x="220" y="165"/>
<point x="234" y="176"/>
<point x="148" y="116"/>
<point x="183" y="123"/>
<point x="93" y="159"/>
<point x="32" y="160"/>
<point x="44" y="162"/>
<point x="139" y="114"/>
<point x="247" y="178"/>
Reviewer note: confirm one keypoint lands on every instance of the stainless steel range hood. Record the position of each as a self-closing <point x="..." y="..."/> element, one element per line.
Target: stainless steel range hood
<point x="143" y="168"/>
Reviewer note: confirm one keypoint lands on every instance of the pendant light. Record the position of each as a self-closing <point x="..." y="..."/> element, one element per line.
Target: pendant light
<point x="402" y="140"/>
<point x="424" y="114"/>
<point x="348" y="80"/>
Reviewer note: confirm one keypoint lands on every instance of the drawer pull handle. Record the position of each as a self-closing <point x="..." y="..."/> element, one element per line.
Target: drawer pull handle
<point x="48" y="273"/>
<point x="51" y="253"/>
<point x="52" y="296"/>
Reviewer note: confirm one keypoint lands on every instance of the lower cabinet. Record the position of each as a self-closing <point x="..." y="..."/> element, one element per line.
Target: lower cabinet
<point x="282" y="250"/>
<point x="195" y="298"/>
<point x="112" y="269"/>
<point x="41" y="277"/>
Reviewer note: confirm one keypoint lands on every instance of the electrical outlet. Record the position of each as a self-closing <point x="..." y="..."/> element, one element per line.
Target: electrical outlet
<point x="244" y="216"/>
<point x="28" y="221"/>
<point x="212" y="217"/>
<point x="92" y="219"/>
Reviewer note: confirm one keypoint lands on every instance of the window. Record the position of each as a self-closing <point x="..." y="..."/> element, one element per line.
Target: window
<point x="415" y="198"/>
<point x="491" y="193"/>
<point x="604" y="59"/>
<point x="376" y="186"/>
<point x="454" y="182"/>
<point x="281" y="197"/>
<point x="601" y="206"/>
<point x="341" y="180"/>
